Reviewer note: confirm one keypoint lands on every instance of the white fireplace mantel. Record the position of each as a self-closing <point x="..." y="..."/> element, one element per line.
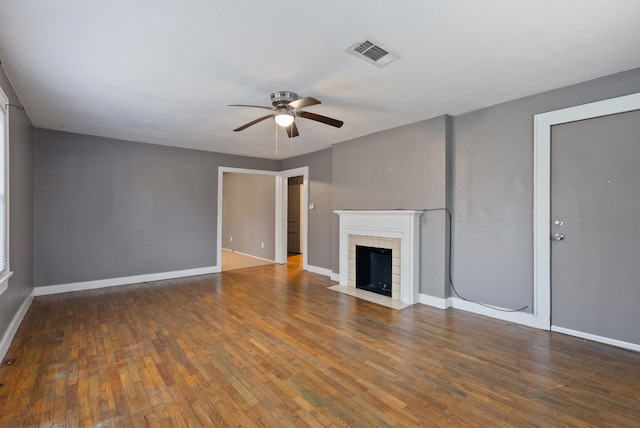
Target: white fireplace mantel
<point x="402" y="224"/>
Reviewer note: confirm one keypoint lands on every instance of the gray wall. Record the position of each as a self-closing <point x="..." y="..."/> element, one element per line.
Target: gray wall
<point x="493" y="190"/>
<point x="320" y="218"/>
<point x="402" y="168"/>
<point x="249" y="214"/>
<point x="21" y="209"/>
<point x="107" y="208"/>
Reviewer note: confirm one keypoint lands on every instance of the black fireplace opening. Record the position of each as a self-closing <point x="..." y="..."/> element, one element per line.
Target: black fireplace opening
<point x="373" y="269"/>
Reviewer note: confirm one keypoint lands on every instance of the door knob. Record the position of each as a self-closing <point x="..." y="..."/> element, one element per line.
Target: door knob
<point x="558" y="237"/>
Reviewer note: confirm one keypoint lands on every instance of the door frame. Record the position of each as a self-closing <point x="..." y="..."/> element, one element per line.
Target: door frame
<point x="542" y="190"/>
<point x="281" y="206"/>
<point x="281" y="178"/>
<point x="299" y="208"/>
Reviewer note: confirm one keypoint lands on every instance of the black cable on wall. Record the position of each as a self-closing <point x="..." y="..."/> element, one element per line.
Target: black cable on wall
<point x="448" y="211"/>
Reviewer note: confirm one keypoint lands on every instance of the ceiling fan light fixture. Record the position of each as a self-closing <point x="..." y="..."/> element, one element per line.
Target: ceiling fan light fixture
<point x="284" y="119"/>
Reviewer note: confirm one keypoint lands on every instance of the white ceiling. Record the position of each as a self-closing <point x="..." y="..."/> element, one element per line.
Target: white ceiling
<point x="163" y="72"/>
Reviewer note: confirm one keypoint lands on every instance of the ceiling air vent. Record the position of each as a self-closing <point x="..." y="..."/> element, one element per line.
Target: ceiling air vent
<point x="372" y="52"/>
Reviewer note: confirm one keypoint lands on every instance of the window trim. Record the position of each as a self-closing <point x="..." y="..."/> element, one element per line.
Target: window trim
<point x="6" y="273"/>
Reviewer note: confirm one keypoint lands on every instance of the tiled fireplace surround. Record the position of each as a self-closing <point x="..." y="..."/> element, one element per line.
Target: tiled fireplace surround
<point x="394" y="229"/>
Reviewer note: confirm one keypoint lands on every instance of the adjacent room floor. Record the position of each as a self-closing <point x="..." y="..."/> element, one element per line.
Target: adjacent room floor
<point x="232" y="260"/>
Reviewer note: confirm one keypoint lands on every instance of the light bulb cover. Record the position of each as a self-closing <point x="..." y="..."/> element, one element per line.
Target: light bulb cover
<point x="284" y="119"/>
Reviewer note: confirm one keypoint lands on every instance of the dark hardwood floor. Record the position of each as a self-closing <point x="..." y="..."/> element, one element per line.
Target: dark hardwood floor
<point x="271" y="346"/>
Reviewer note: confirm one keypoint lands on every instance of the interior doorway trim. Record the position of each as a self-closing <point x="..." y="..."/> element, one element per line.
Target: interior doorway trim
<point x="281" y="205"/>
<point x="542" y="189"/>
<point x="281" y="211"/>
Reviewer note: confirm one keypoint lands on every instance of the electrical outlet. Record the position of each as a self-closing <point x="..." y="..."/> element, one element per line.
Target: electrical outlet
<point x="262" y="245"/>
<point x="231" y="238"/>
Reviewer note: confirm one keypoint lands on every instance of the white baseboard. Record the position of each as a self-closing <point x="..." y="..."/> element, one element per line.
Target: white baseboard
<point x="112" y="282"/>
<point x="335" y="276"/>
<point x="436" y="302"/>
<point x="319" y="270"/>
<point x="595" y="338"/>
<point x="524" y="318"/>
<point x="5" y="343"/>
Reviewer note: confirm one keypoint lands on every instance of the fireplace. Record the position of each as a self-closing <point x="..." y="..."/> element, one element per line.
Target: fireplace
<point x="390" y="245"/>
<point x="373" y="269"/>
<point x="397" y="231"/>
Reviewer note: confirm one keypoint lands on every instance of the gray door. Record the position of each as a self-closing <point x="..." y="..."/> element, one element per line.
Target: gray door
<point x="595" y="219"/>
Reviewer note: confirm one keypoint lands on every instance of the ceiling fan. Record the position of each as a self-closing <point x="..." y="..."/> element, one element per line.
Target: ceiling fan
<point x="286" y="107"/>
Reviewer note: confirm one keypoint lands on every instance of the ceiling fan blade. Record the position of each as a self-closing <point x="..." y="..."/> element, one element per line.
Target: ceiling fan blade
<point x="250" y="105"/>
<point x="323" y="119"/>
<point x="246" y="125"/>
<point x="303" y="102"/>
<point x="292" y="130"/>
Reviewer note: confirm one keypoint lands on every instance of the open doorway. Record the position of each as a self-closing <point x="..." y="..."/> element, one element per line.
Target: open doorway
<point x="248" y="220"/>
<point x="295" y="186"/>
<point x="295" y="191"/>
<point x="294" y="215"/>
<point x="281" y="211"/>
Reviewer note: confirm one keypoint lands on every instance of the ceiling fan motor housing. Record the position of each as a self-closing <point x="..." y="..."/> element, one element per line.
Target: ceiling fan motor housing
<point x="282" y="98"/>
